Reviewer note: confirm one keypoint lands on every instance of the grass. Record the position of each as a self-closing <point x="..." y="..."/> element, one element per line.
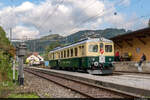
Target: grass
<point x="6" y="88"/>
<point x="25" y="95"/>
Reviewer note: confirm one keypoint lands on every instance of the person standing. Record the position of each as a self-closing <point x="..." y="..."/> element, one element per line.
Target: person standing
<point x="117" y="58"/>
<point x="143" y="58"/>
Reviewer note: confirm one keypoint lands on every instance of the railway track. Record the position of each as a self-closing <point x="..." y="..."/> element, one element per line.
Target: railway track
<point x="87" y="89"/>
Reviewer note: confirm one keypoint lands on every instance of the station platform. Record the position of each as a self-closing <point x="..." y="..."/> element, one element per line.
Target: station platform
<point x="132" y="66"/>
<point x="138" y="84"/>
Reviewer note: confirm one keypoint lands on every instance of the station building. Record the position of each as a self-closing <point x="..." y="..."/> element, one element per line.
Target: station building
<point x="136" y="43"/>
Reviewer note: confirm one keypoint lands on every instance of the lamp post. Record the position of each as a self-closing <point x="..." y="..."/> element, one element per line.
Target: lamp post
<point x="21" y="52"/>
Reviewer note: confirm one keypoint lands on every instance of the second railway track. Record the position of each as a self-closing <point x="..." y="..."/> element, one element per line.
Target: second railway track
<point x="87" y="89"/>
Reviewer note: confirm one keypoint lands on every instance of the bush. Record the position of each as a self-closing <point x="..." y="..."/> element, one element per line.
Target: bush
<point x="5" y="67"/>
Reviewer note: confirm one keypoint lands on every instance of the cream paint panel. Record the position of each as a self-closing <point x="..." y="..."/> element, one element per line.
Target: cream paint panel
<point x="86" y="53"/>
<point x="79" y="52"/>
<point x="98" y="53"/>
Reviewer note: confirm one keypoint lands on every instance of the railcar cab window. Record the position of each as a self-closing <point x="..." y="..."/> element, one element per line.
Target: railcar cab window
<point x="108" y="48"/>
<point x="93" y="48"/>
<point x="101" y="45"/>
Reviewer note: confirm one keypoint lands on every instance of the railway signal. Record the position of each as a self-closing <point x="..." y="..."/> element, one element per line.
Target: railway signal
<point x="21" y="52"/>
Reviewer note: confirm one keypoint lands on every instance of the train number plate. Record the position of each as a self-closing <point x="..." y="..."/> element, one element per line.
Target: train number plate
<point x="102" y="59"/>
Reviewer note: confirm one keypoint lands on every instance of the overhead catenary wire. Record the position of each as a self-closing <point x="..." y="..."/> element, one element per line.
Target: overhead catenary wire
<point x="50" y="15"/>
<point x="98" y="15"/>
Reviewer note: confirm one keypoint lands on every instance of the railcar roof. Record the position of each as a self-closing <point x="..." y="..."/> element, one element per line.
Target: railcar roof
<point x="82" y="42"/>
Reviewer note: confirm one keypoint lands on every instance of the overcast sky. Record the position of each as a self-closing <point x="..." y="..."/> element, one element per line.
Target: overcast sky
<point x="35" y="18"/>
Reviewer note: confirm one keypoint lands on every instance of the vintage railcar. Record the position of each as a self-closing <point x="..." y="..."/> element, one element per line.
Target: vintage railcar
<point x="94" y="55"/>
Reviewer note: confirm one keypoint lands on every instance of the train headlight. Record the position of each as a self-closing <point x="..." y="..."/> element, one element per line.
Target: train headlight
<point x="95" y="63"/>
<point x="109" y="59"/>
<point x="93" y="59"/>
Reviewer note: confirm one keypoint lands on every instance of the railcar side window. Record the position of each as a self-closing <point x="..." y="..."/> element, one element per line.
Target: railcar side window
<point x="108" y="48"/>
<point x="65" y="54"/>
<point x="82" y="50"/>
<point x="68" y="53"/>
<point x="71" y="52"/>
<point x="53" y="55"/>
<point x="93" y="48"/>
<point x="61" y="54"/>
<point x="76" y="51"/>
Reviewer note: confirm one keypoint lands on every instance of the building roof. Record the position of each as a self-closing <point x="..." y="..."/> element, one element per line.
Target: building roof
<point x="128" y="37"/>
<point x="143" y="32"/>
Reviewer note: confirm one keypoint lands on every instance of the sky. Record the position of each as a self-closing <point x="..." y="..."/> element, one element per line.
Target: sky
<point x="36" y="18"/>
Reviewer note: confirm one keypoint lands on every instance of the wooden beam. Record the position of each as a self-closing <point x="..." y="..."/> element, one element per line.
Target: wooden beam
<point x="141" y="36"/>
<point x="120" y="46"/>
<point x="127" y="41"/>
<point x="142" y="41"/>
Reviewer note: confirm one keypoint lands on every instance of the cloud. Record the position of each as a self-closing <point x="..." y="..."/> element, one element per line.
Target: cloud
<point x="34" y="20"/>
<point x="22" y="32"/>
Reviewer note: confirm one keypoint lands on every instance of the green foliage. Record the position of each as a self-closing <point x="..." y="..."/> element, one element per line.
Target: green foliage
<point x="6" y="53"/>
<point x="5" y="67"/>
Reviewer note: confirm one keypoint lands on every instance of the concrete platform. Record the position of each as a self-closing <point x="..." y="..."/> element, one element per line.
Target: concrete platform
<point x="132" y="83"/>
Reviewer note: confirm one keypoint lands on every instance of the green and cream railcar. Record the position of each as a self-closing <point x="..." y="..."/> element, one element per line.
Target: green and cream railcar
<point x="92" y="55"/>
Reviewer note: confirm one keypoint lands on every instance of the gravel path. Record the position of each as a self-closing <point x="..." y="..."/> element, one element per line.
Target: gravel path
<point x="45" y="88"/>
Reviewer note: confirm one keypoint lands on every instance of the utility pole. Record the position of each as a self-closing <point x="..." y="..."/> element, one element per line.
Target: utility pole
<point x="14" y="70"/>
<point x="10" y="37"/>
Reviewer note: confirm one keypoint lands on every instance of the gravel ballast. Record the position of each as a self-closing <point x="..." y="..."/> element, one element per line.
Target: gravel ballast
<point x="47" y="89"/>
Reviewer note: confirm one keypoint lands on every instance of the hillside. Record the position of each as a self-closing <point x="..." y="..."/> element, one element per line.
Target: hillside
<point x="39" y="45"/>
<point x="107" y="33"/>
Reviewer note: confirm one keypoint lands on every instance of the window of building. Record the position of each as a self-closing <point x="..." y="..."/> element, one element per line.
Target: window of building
<point x="76" y="51"/>
<point x="71" y="52"/>
<point x="108" y="48"/>
<point x="68" y="53"/>
<point x="93" y="48"/>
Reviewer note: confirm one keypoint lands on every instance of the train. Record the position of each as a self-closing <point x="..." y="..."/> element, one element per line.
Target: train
<point x="92" y="55"/>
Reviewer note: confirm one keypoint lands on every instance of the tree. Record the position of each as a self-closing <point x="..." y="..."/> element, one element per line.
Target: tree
<point x="7" y="51"/>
